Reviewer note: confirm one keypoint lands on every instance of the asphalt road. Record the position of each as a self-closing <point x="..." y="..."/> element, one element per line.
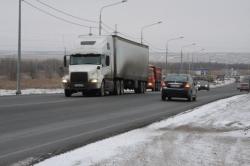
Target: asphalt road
<point x="36" y="127"/>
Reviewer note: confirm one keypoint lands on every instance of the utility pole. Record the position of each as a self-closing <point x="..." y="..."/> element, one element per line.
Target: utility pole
<point x="116" y="32"/>
<point x="18" y="89"/>
<point x="181" y="37"/>
<point x="181" y="65"/>
<point x="147" y="26"/>
<point x="90" y="31"/>
<point x="100" y="14"/>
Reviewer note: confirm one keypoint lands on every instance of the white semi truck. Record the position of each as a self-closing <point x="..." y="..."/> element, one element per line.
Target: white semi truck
<point x="106" y="64"/>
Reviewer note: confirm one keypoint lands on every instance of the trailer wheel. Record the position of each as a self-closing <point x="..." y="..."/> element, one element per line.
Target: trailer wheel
<point x="67" y="92"/>
<point x="144" y="87"/>
<point x="122" y="87"/>
<point x="163" y="97"/>
<point x="140" y="89"/>
<point x="117" y="87"/>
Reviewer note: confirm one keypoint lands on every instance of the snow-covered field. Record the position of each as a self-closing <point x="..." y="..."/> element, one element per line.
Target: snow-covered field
<point x="214" y="134"/>
<point x="4" y="92"/>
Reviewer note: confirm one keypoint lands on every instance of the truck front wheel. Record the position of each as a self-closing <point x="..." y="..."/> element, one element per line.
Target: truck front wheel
<point x="67" y="92"/>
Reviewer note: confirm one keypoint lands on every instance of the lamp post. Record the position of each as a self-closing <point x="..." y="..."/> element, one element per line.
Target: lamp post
<point x="18" y="89"/>
<point x="177" y="38"/>
<point x="146" y="26"/>
<point x="189" y="45"/>
<point x="100" y="16"/>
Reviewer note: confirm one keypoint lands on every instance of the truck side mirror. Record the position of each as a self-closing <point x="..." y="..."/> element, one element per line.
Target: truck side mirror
<point x="65" y="60"/>
<point x="107" y="61"/>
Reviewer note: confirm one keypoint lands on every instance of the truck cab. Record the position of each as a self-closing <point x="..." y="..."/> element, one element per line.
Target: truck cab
<point x="89" y="65"/>
<point x="154" y="78"/>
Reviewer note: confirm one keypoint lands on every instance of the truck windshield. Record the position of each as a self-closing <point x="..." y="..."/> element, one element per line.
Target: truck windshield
<point x="79" y="59"/>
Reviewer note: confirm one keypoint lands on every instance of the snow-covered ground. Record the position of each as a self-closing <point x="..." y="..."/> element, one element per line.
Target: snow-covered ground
<point x="4" y="92"/>
<point x="214" y="134"/>
<point x="222" y="83"/>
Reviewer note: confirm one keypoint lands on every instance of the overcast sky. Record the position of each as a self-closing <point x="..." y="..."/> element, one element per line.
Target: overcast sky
<point x="216" y="25"/>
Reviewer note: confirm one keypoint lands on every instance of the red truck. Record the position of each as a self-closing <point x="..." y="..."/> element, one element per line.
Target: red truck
<point x="154" y="78"/>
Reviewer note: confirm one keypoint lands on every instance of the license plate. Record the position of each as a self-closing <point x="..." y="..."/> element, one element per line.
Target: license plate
<point x="78" y="85"/>
<point x="175" y="86"/>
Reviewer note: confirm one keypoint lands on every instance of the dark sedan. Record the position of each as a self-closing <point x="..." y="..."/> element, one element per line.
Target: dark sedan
<point x="179" y="86"/>
<point x="203" y="85"/>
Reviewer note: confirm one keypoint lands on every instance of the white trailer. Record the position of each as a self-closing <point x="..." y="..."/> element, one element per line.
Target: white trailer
<point x="106" y="64"/>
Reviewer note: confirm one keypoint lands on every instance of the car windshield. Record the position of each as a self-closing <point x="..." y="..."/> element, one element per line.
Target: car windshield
<point x="79" y="59"/>
<point x="203" y="82"/>
<point x="177" y="78"/>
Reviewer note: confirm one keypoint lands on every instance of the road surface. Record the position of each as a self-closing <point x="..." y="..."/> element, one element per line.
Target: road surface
<point x="36" y="127"/>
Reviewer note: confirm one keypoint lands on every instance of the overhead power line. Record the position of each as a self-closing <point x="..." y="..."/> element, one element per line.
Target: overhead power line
<point x="76" y="17"/>
<point x="153" y="47"/>
<point x="121" y="33"/>
<point x="57" y="17"/>
<point x="65" y="13"/>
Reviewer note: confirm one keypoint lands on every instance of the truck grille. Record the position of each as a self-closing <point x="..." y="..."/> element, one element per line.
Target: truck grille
<point x="79" y="77"/>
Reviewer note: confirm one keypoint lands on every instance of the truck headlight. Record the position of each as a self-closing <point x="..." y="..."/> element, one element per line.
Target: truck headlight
<point x="64" y="81"/>
<point x="94" y="81"/>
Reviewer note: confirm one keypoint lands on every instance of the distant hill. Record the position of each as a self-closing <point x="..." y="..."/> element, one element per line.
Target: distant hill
<point x="34" y="54"/>
<point x="214" y="57"/>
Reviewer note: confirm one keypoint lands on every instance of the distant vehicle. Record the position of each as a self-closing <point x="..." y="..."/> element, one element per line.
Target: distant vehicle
<point x="221" y="77"/>
<point x="237" y="79"/>
<point x="154" y="78"/>
<point x="245" y="84"/>
<point x="179" y="86"/>
<point x="106" y="64"/>
<point x="203" y="85"/>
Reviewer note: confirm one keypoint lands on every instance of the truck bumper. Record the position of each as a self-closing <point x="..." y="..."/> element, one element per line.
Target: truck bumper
<point x="81" y="86"/>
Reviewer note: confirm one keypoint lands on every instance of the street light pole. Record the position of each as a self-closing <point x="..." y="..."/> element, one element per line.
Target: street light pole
<point x="18" y="89"/>
<point x="100" y="16"/>
<point x="146" y="26"/>
<point x="181" y="66"/>
<point x="181" y="37"/>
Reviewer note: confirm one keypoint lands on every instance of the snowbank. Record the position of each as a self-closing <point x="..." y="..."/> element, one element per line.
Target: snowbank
<point x="4" y="92"/>
<point x="214" y="134"/>
<point x="222" y="83"/>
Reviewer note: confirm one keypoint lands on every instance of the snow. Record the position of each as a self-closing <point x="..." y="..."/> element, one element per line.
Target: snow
<point x="213" y="134"/>
<point x="4" y="92"/>
<point x="222" y="83"/>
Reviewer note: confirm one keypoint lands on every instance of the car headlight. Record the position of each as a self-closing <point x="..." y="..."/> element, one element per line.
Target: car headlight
<point x="94" y="81"/>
